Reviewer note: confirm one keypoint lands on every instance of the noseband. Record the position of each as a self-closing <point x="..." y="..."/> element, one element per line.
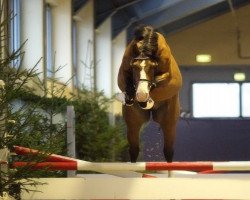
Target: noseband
<point x="157" y="79"/>
<point x="151" y="84"/>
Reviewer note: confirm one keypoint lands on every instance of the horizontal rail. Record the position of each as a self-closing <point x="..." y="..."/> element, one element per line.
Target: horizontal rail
<point x="57" y="162"/>
<point x="140" y="166"/>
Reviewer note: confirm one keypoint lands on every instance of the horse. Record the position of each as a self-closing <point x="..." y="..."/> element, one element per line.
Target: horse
<point x="150" y="79"/>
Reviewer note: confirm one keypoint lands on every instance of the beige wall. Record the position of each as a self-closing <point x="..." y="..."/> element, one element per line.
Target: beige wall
<point x="32" y="31"/>
<point x="62" y="39"/>
<point x="216" y="37"/>
<point x="118" y="49"/>
<point x="103" y="60"/>
<point x="84" y="19"/>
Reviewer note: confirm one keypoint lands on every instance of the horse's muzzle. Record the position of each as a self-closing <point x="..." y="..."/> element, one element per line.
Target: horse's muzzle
<point x="142" y="91"/>
<point x="142" y="96"/>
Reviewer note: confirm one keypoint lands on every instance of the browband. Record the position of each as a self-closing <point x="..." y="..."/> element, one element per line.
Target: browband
<point x="141" y="58"/>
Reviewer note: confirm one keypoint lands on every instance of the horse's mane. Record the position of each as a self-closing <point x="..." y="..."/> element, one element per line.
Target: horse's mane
<point x="149" y="39"/>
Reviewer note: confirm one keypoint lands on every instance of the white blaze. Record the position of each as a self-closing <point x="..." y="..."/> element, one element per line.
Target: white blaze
<point x="142" y="72"/>
<point x="143" y="85"/>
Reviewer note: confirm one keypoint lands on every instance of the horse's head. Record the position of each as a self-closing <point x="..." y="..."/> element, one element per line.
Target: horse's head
<point x="143" y="76"/>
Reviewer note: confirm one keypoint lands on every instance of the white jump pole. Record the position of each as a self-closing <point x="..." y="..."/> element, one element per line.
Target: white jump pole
<point x="99" y="186"/>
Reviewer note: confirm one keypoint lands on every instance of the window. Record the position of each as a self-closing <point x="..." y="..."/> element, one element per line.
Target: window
<point x="216" y="99"/>
<point x="74" y="45"/>
<point x="245" y="99"/>
<point x="49" y="54"/>
<point x="14" y="30"/>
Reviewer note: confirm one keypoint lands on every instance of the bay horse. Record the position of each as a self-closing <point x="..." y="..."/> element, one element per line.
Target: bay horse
<point x="150" y="79"/>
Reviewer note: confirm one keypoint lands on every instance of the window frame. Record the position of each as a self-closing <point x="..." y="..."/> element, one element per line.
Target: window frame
<point x="48" y="42"/>
<point x="14" y="30"/>
<point x="74" y="54"/>
<point x="241" y="99"/>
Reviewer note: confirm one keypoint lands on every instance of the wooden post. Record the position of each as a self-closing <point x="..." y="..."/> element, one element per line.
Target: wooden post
<point x="71" y="146"/>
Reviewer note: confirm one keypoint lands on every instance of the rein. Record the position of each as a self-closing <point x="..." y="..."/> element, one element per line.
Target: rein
<point x="161" y="77"/>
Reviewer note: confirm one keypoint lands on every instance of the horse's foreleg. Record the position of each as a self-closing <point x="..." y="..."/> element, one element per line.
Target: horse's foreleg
<point x="133" y="140"/>
<point x="167" y="117"/>
<point x="169" y="129"/>
<point x="168" y="145"/>
<point x="134" y="118"/>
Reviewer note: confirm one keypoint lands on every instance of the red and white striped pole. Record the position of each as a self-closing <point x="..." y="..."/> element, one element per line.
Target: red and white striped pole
<point x="47" y="156"/>
<point x="57" y="162"/>
<point x="140" y="166"/>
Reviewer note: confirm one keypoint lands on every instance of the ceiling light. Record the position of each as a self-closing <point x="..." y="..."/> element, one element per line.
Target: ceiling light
<point x="239" y="76"/>
<point x="203" y="58"/>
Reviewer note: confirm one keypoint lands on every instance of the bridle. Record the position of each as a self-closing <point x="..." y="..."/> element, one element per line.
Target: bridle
<point x="157" y="79"/>
<point x="151" y="84"/>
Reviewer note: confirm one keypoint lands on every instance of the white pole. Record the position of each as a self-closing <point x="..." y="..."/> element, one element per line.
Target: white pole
<point x="234" y="186"/>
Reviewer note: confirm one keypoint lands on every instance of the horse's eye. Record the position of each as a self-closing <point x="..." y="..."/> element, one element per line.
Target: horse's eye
<point x="132" y="62"/>
<point x="136" y="67"/>
<point x="135" y="63"/>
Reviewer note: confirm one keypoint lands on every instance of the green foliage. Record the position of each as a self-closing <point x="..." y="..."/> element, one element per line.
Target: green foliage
<point x="25" y="123"/>
<point x="40" y="125"/>
<point x="28" y="123"/>
<point x="96" y="139"/>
